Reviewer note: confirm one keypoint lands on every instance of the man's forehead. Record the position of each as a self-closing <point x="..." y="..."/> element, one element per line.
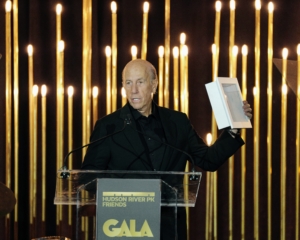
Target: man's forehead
<point x="137" y="71"/>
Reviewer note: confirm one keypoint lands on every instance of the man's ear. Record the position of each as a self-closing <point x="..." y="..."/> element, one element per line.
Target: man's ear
<point x="154" y="85"/>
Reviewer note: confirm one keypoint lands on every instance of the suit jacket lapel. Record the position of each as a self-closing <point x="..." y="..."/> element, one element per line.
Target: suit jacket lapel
<point x="170" y="132"/>
<point x="168" y="125"/>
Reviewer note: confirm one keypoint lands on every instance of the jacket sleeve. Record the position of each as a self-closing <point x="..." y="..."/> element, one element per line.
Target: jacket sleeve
<point x="210" y="158"/>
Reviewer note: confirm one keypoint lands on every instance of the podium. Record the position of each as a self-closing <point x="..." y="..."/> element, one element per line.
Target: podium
<point x="124" y="204"/>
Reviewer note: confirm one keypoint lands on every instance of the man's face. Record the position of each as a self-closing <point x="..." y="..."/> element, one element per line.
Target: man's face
<point x="139" y="87"/>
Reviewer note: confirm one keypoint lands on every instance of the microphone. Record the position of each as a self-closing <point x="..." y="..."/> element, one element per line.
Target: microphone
<point x="65" y="175"/>
<point x="159" y="133"/>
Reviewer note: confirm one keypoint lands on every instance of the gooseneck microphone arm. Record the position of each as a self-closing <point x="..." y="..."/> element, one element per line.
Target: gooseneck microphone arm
<point x="64" y="167"/>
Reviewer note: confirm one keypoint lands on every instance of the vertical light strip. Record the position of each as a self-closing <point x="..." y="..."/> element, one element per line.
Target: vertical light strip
<point x="181" y="67"/>
<point x="60" y="103"/>
<point x="145" y="30"/>
<point x="8" y="95"/>
<point x="58" y="85"/>
<point x="297" y="177"/>
<point x="86" y="71"/>
<point x="114" y="56"/>
<point x="108" y="79"/>
<point x="44" y="146"/>
<point x="256" y="113"/>
<point x="283" y="146"/>
<point x="167" y="53"/>
<point x="211" y="178"/>
<point x="30" y="86"/>
<point x="269" y="127"/>
<point x="176" y="78"/>
<point x="217" y="37"/>
<point x="209" y="175"/>
<point x="95" y="104"/>
<point x="218" y="6"/>
<point x="160" y="76"/>
<point x="243" y="149"/>
<point x="86" y="82"/>
<point x="209" y="198"/>
<point x="8" y="99"/>
<point x="231" y="33"/>
<point x="58" y="117"/>
<point x="212" y="188"/>
<point x="16" y="109"/>
<point x="186" y="79"/>
<point x="185" y="108"/>
<point x="34" y="93"/>
<point x="214" y="176"/>
<point x="70" y="144"/>
<point x="231" y="159"/>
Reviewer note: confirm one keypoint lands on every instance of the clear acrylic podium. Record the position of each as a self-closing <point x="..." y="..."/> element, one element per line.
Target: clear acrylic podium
<point x="80" y="188"/>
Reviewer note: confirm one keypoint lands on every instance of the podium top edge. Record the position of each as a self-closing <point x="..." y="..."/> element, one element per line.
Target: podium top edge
<point x="78" y="171"/>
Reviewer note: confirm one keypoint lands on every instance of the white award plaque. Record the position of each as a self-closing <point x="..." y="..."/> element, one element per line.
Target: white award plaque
<point x="227" y="103"/>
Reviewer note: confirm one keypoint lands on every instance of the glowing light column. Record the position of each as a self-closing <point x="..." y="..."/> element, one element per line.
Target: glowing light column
<point x="297" y="178"/>
<point x="145" y="31"/>
<point x="167" y="53"/>
<point x="243" y="149"/>
<point x="114" y="56"/>
<point x="283" y="146"/>
<point x="231" y="159"/>
<point x="256" y="117"/>
<point x="231" y="33"/>
<point x="176" y="78"/>
<point x="16" y="109"/>
<point x="70" y="143"/>
<point x="160" y="75"/>
<point x="269" y="131"/>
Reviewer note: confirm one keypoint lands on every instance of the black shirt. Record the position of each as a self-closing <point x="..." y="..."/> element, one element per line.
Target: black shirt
<point x="151" y="134"/>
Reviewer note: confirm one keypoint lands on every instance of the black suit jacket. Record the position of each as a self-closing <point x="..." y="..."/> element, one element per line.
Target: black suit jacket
<point x="125" y="151"/>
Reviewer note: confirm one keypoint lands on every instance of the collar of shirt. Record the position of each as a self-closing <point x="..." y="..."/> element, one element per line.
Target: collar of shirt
<point x="138" y="116"/>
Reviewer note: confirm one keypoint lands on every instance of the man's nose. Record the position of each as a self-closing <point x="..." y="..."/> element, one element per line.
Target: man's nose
<point x="134" y="88"/>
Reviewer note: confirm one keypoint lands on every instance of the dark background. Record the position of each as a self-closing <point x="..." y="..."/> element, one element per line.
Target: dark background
<point x="197" y="20"/>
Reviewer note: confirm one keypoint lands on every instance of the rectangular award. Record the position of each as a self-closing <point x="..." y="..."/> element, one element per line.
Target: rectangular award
<point x="227" y="103"/>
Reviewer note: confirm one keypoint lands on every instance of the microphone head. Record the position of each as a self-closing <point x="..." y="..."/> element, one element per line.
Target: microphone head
<point x="194" y="177"/>
<point x="128" y="119"/>
<point x="65" y="174"/>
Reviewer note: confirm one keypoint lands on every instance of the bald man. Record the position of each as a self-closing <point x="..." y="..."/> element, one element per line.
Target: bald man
<point x="140" y="146"/>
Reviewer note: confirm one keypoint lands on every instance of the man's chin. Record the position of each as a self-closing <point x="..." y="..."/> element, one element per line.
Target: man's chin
<point x="136" y="106"/>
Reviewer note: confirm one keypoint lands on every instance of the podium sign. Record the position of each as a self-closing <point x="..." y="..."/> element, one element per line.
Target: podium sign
<point x="122" y="201"/>
<point x="128" y="209"/>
